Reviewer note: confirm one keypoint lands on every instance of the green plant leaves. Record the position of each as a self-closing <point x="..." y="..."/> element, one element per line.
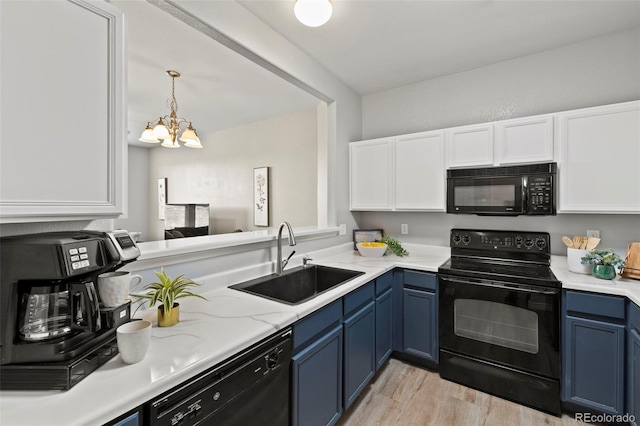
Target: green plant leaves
<point x="603" y="257"/>
<point x="394" y="246"/>
<point x="167" y="290"/>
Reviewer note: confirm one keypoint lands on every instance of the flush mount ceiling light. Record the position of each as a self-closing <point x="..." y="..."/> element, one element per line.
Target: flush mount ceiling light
<point x="313" y="13"/>
<point x="166" y="128"/>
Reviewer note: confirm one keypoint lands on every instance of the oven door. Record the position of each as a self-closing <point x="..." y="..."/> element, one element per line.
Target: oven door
<point x="486" y="195"/>
<point x="513" y="325"/>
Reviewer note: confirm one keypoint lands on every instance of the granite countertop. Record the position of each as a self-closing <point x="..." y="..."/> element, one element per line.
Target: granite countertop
<point x="213" y="330"/>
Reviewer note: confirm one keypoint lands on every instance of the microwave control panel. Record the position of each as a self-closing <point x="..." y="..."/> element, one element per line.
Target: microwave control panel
<point x="540" y="195"/>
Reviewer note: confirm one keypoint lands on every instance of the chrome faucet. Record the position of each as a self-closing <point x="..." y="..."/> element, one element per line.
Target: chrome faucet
<point x="281" y="263"/>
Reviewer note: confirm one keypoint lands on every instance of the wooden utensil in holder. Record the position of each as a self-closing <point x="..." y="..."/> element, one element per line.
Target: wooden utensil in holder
<point x="631" y="267"/>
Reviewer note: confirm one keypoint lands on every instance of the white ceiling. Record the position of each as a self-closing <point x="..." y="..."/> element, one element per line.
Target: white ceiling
<point x="218" y="89"/>
<point x="374" y="45"/>
<point x="371" y="45"/>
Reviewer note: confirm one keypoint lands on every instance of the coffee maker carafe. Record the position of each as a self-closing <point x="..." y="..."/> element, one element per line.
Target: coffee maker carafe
<point x="53" y="332"/>
<point x="52" y="311"/>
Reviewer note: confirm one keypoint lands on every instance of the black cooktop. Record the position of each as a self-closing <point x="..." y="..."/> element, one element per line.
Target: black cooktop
<point x="516" y="272"/>
<point x="514" y="256"/>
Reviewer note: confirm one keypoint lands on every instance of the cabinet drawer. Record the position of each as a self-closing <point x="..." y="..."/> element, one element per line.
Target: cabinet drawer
<point x="595" y="304"/>
<point x="383" y="282"/>
<point x="634" y="317"/>
<point x="311" y="326"/>
<point x="423" y="280"/>
<point x="358" y="298"/>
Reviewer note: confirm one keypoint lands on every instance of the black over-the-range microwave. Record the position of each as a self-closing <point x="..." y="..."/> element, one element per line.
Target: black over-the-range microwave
<point x="503" y="191"/>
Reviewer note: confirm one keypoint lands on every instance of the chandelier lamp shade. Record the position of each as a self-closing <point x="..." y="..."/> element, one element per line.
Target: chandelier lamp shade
<point x="313" y="13"/>
<point x="165" y="129"/>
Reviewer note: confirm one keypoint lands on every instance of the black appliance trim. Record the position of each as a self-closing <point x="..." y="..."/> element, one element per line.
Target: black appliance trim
<point x="61" y="375"/>
<point x="508" y="383"/>
<point x="499" y="171"/>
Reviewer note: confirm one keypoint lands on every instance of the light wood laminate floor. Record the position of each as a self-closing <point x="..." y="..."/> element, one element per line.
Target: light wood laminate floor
<point x="402" y="394"/>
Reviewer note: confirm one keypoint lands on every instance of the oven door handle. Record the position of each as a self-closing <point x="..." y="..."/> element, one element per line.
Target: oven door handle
<point x="515" y="287"/>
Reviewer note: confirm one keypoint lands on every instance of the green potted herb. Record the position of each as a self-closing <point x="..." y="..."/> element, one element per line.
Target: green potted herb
<point x="604" y="263"/>
<point x="394" y="246"/>
<point x="166" y="291"/>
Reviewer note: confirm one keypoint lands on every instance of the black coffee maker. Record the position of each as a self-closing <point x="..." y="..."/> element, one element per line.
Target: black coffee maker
<point x="53" y="332"/>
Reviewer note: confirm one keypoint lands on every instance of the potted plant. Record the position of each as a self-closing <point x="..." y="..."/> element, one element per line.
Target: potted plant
<point x="604" y="263"/>
<point x="393" y="246"/>
<point x="167" y="291"/>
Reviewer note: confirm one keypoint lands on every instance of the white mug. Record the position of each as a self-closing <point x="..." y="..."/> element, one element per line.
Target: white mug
<point x="133" y="340"/>
<point x="113" y="287"/>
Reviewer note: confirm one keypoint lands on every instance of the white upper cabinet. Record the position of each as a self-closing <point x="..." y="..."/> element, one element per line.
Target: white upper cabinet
<point x="469" y="146"/>
<point x="371" y="174"/>
<point x="63" y="135"/>
<point x="524" y="140"/>
<point x="420" y="172"/>
<point x="401" y="173"/>
<point x="599" y="159"/>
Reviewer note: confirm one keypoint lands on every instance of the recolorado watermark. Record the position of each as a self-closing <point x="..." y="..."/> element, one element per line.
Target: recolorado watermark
<point x="605" y="418"/>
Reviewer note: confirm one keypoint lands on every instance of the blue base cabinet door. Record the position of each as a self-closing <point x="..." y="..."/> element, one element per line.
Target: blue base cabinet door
<point x="359" y="352"/>
<point x="419" y="327"/>
<point x="633" y="363"/>
<point x="317" y="381"/>
<point x="594" y="364"/>
<point x="633" y="386"/>
<point x="384" y="327"/>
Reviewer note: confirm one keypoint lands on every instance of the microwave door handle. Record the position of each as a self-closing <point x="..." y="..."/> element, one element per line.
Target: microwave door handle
<point x="515" y="287"/>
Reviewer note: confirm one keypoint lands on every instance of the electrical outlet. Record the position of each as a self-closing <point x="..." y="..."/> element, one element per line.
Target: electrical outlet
<point x="343" y="229"/>
<point x="593" y="233"/>
<point x="404" y="229"/>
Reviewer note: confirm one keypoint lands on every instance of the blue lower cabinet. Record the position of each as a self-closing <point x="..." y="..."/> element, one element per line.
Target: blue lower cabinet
<point x="633" y="385"/>
<point x="633" y="364"/>
<point x="317" y="381"/>
<point x="419" y="326"/>
<point x="359" y="352"/>
<point x="384" y="327"/>
<point x="593" y="364"/>
<point x="132" y="418"/>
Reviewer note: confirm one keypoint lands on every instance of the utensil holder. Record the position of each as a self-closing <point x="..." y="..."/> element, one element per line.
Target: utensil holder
<point x="574" y="259"/>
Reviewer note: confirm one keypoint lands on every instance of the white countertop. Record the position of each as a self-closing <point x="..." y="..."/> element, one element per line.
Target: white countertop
<point x="213" y="330"/>
<point x="618" y="286"/>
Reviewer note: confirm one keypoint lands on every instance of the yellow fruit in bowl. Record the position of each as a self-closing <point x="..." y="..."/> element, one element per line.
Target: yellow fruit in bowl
<point x="372" y="249"/>
<point x="373" y="244"/>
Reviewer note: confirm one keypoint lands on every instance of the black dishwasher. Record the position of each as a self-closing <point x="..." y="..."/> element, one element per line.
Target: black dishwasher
<point x="251" y="388"/>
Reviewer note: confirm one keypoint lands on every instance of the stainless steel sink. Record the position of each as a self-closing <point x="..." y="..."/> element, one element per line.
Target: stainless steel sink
<point x="297" y="285"/>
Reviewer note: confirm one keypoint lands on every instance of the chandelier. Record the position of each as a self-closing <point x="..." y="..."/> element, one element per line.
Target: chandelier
<point x="167" y="128"/>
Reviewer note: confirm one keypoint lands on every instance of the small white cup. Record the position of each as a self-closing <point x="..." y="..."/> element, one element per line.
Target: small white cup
<point x="133" y="340"/>
<point x="113" y="287"/>
<point x="574" y="261"/>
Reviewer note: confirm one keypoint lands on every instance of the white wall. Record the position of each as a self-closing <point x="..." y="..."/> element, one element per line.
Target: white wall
<point x="594" y="72"/>
<point x="138" y="187"/>
<point x="221" y="173"/>
<point x="598" y="71"/>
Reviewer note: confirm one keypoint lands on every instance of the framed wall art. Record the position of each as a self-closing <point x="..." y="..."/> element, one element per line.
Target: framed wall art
<point x="261" y="196"/>
<point x="162" y="197"/>
<point x="366" y="235"/>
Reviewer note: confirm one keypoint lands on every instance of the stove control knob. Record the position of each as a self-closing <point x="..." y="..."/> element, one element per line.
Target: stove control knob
<point x="456" y="238"/>
<point x="466" y="239"/>
<point x="518" y="241"/>
<point x="541" y="243"/>
<point x="528" y="242"/>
